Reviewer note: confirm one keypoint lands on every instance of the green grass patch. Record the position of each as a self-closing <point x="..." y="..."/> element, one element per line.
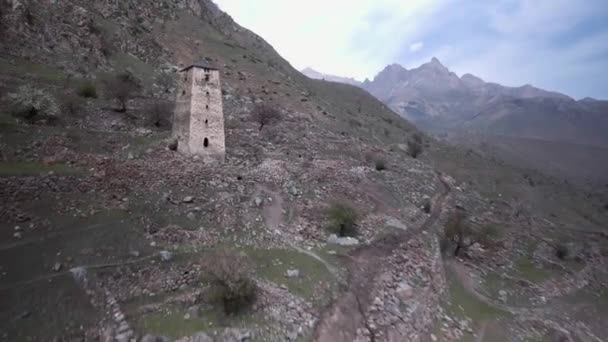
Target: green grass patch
<point x="272" y="264"/>
<point x="462" y="303"/>
<point x="143" y="71"/>
<point x="172" y="323"/>
<point x="525" y="268"/>
<point x="22" y="67"/>
<point x="25" y="168"/>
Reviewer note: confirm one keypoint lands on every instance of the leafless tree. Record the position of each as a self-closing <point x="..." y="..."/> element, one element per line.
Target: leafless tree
<point x="266" y="114"/>
<point x="121" y="88"/>
<point x="159" y="114"/>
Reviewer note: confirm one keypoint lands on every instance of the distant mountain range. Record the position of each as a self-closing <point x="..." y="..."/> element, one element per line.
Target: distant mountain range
<point x="437" y="100"/>
<point x="321" y="76"/>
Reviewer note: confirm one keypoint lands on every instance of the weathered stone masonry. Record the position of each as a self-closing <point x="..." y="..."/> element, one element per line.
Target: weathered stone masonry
<point x="198" y="121"/>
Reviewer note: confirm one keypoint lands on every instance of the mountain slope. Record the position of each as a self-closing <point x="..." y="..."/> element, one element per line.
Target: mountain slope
<point x="436" y="99"/>
<point x="107" y="234"/>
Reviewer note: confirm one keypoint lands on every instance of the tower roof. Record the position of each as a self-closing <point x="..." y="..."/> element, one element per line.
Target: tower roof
<point x="202" y="64"/>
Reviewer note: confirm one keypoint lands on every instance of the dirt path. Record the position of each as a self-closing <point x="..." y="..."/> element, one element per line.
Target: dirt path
<point x="342" y="319"/>
<point x="273" y="215"/>
<point x="543" y="315"/>
<point x="481" y="334"/>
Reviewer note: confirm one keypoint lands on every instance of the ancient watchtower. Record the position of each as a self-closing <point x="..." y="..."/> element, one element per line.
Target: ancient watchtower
<point x="198" y="121"/>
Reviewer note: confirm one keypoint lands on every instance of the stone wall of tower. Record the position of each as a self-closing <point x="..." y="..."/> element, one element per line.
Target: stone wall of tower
<point x="207" y="120"/>
<point x="199" y="116"/>
<point x="181" y="115"/>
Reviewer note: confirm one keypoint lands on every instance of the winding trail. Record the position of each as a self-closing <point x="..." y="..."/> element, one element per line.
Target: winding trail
<point x="273" y="215"/>
<point x="341" y="320"/>
<point x="541" y="315"/>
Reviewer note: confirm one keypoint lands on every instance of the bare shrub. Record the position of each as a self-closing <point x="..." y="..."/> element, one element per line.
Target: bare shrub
<point x="159" y="114"/>
<point x="231" y="279"/>
<point x="121" y="87"/>
<point x="266" y="114"/>
<point x="342" y="219"/>
<point x="71" y="104"/>
<point x="31" y="104"/>
<point x="414" y="146"/>
<point x="166" y="81"/>
<point x="457" y="232"/>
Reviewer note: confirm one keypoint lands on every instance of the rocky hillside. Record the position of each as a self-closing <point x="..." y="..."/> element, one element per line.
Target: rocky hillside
<point x="320" y="226"/>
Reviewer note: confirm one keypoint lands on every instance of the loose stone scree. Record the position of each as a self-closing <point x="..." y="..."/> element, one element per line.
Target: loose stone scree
<point x="198" y="120"/>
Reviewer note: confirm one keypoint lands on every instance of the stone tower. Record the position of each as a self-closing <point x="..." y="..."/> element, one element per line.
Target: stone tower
<point x="198" y="121"/>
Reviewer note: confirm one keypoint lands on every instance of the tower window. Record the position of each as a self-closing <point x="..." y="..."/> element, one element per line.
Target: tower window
<point x="207" y="77"/>
<point x="206" y="122"/>
<point x="183" y="93"/>
<point x="206" y="106"/>
<point x="207" y="93"/>
<point x="206" y="142"/>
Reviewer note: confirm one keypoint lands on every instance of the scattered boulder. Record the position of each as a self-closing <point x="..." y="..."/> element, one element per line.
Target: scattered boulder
<point x="57" y="267"/>
<point x="166" y="256"/>
<point x="294" y="273"/>
<point x="502" y="295"/>
<point x="152" y="338"/>
<point x="394" y="223"/>
<point x="342" y="241"/>
<point x="258" y="201"/>
<point x="193" y="311"/>
<point x="201" y="337"/>
<point x="188" y="199"/>
<point x="404" y="291"/>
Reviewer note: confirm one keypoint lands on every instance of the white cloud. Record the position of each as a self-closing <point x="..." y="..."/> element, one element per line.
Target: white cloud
<point x="416" y="46"/>
<point x="342" y="37"/>
<point x="555" y="44"/>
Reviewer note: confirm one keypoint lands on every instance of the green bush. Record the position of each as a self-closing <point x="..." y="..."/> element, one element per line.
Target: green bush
<point x="342" y="219"/>
<point x="231" y="280"/>
<point x="380" y="164"/>
<point x="562" y="251"/>
<point x="426" y="207"/>
<point x="87" y="90"/>
<point x="30" y="104"/>
<point x="487" y="235"/>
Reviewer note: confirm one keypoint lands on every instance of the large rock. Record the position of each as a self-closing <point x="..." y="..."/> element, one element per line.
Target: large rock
<point x="293" y="273"/>
<point x="394" y="223"/>
<point x="166" y="256"/>
<point x="152" y="338"/>
<point x="404" y="291"/>
<point x="342" y="241"/>
<point x="201" y="337"/>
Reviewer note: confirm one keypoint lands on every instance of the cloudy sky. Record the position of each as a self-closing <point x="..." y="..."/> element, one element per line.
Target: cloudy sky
<point x="553" y="44"/>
